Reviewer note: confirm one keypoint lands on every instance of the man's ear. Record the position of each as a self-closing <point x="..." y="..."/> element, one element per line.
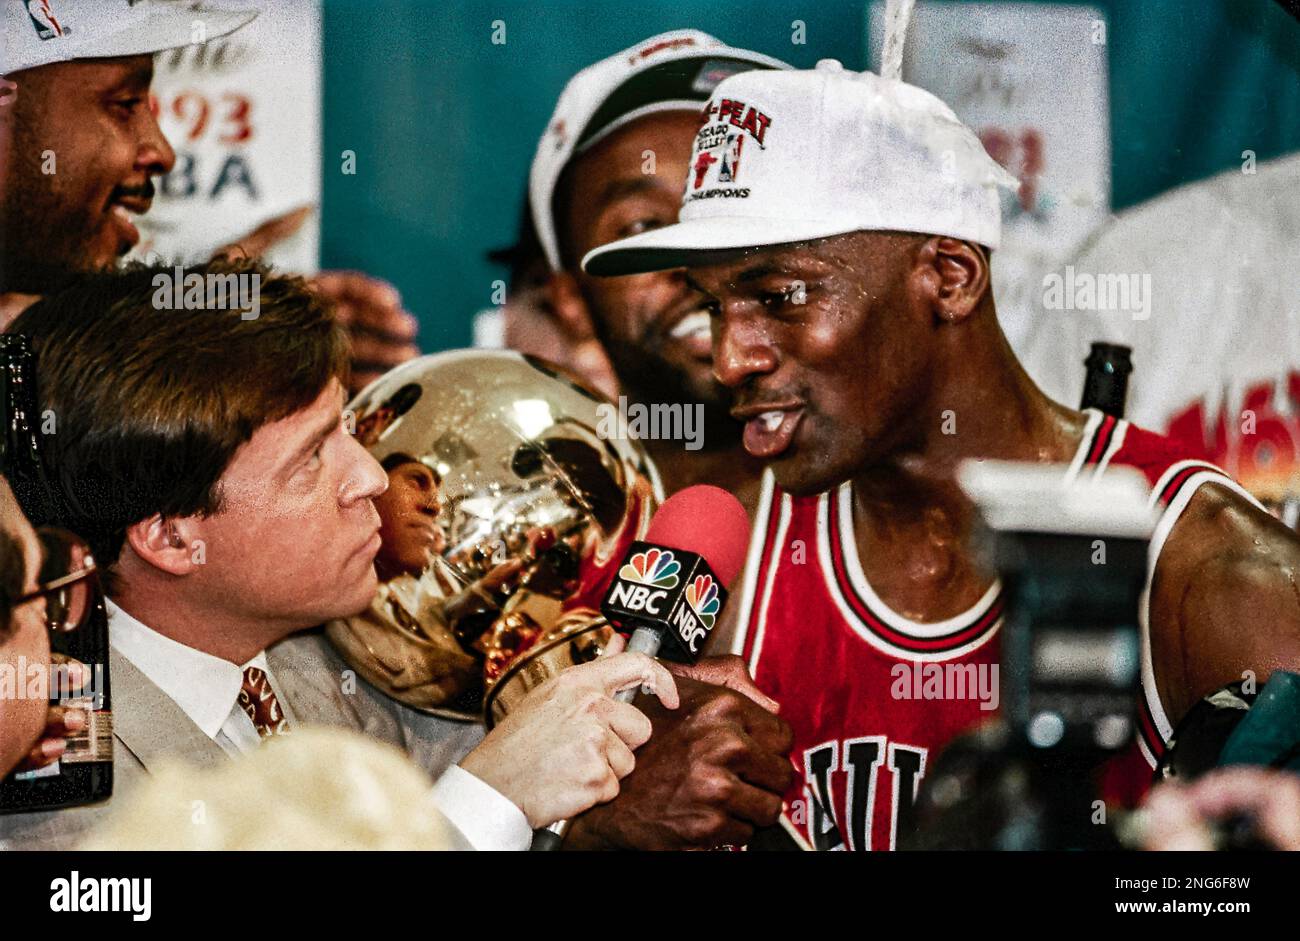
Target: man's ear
<point x="570" y="307"/>
<point x="169" y="544"/>
<point x="587" y="355"/>
<point x="956" y="277"/>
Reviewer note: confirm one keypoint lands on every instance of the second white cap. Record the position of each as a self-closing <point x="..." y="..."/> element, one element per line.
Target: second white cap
<point x="790" y="156"/>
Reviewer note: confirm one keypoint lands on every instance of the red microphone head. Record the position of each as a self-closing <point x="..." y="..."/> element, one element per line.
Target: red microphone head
<point x="708" y="521"/>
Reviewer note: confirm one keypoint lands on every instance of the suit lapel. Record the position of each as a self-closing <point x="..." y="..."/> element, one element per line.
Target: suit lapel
<point x="150" y="724"/>
<point x="307" y="677"/>
<point x="302" y="676"/>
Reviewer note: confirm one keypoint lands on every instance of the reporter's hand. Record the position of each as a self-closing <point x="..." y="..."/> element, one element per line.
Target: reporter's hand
<point x="266" y="236"/>
<point x="382" y="332"/>
<point x="565" y="747"/>
<point x="712" y="772"/>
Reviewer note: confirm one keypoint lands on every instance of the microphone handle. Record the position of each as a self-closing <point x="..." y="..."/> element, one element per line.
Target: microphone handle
<point x="646" y="640"/>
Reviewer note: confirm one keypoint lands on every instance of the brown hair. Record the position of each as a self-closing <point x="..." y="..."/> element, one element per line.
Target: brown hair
<point x="398" y="458"/>
<point x="13" y="569"/>
<point x="151" y="403"/>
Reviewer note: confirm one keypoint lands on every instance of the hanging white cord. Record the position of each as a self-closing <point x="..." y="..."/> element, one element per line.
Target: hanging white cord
<point x="897" y="15"/>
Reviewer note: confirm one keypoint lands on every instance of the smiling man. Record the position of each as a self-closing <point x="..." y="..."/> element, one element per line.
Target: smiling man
<point x="80" y="148"/>
<point x="84" y="145"/>
<point x="847" y="267"/>
<point x="80" y="174"/>
<point x="610" y="165"/>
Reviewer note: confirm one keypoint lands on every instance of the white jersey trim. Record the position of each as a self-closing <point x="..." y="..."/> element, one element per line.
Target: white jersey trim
<point x="753" y="561"/>
<point x="782" y="527"/>
<point x="1116" y="442"/>
<point x="1164" y="526"/>
<point x="853" y="566"/>
<point x="1085" y="445"/>
<point x="857" y="579"/>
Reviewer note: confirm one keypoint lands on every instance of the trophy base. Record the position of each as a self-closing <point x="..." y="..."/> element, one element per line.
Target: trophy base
<point x="581" y="641"/>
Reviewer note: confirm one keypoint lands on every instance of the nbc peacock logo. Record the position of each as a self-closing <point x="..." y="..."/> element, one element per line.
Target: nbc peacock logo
<point x="655" y="567"/>
<point x="702" y="596"/>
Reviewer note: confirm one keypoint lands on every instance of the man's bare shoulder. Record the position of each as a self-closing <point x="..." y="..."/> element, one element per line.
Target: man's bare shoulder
<point x="1225" y="598"/>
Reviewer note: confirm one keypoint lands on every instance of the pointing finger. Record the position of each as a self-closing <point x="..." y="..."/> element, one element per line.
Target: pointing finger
<point x="630" y="670"/>
<point x="267" y="235"/>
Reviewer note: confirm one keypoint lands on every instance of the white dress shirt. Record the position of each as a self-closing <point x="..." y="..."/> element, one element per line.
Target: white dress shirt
<point x="206" y="688"/>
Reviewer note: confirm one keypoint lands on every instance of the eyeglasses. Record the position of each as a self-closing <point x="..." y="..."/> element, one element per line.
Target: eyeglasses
<point x="66" y="580"/>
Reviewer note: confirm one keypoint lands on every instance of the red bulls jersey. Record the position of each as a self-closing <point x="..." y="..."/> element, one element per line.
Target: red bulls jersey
<point x="872" y="695"/>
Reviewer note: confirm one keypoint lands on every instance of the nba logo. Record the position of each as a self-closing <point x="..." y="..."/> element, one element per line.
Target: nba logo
<point x="47" y="27"/>
<point x="731" y="158"/>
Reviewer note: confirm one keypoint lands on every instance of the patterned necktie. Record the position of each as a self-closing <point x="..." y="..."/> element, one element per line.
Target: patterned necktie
<point x="258" y="700"/>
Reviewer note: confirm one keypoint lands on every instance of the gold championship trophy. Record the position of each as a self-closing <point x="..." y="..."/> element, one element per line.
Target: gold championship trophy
<point x="505" y="512"/>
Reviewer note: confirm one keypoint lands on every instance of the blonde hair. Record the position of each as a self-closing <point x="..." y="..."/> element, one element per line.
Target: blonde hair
<point x="313" y="789"/>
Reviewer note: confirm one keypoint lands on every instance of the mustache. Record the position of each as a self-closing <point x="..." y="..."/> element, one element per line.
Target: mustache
<point x="748" y="395"/>
<point x="146" y="190"/>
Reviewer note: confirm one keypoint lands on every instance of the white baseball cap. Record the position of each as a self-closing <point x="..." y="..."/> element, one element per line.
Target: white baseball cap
<point x="793" y="156"/>
<point x="670" y="72"/>
<point x="40" y="32"/>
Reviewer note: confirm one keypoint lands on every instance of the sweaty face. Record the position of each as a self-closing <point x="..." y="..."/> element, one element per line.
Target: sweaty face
<point x="652" y="325"/>
<point x="295" y="539"/>
<point x="824" y="350"/>
<point x="84" y="146"/>
<point x="409" y="512"/>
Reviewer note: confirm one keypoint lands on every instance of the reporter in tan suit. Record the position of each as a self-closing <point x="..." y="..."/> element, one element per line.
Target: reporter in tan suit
<point x="205" y="459"/>
<point x="150" y="730"/>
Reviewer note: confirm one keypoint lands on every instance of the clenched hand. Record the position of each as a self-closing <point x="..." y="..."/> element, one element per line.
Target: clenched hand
<point x="567" y="745"/>
<point x="712" y="772"/>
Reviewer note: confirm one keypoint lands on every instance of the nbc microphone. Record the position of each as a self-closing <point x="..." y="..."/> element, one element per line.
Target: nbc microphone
<point x="671" y="587"/>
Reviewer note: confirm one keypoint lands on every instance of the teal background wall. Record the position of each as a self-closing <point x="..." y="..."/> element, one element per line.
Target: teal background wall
<point x="443" y="122"/>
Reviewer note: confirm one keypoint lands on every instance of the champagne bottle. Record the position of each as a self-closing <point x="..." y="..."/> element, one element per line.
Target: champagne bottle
<point x="1106" y="385"/>
<point x="84" y="773"/>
